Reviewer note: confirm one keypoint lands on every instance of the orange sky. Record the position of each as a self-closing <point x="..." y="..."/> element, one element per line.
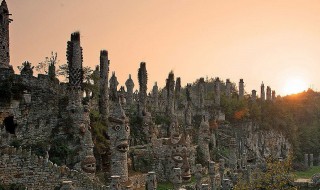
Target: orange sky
<point x="257" y="40"/>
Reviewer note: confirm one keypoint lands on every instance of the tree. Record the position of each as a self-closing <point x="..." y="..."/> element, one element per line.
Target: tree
<point x="43" y="67"/>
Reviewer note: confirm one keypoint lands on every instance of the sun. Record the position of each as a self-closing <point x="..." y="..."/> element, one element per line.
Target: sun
<point x="294" y="85"/>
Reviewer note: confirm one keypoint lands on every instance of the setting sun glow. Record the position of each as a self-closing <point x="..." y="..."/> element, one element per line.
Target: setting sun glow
<point x="294" y="85"/>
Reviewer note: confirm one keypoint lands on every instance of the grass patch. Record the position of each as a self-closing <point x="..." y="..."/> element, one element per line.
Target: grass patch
<point x="308" y="173"/>
<point x="165" y="186"/>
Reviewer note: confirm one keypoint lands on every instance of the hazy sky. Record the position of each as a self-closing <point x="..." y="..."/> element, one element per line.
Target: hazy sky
<point x="274" y="41"/>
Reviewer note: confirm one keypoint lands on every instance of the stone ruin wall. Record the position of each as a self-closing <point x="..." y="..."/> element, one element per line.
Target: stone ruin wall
<point x="35" y="113"/>
<point x="22" y="167"/>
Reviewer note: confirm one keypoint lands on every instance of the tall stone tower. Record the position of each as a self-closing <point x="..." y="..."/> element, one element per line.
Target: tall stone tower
<point x="228" y="88"/>
<point x="170" y="94"/>
<point x="155" y="94"/>
<point x="177" y="92"/>
<point x="74" y="58"/>
<point x="263" y="94"/>
<point x="217" y="91"/>
<point x="201" y="93"/>
<point x="104" y="90"/>
<point x="254" y="95"/>
<point x="273" y="95"/>
<point x="4" y="36"/>
<point x="143" y="80"/>
<point x="268" y="93"/>
<point x="241" y="89"/>
<point x="130" y="86"/>
<point x="113" y="87"/>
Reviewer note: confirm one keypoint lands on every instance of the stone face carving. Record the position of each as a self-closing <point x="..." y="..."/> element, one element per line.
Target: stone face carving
<point x="113" y="87"/>
<point x="177" y="157"/>
<point x="119" y="131"/>
<point x="143" y="80"/>
<point x="89" y="164"/>
<point x="151" y="182"/>
<point x="104" y="90"/>
<point x="204" y="139"/>
<point x="4" y="37"/>
<point x="130" y="86"/>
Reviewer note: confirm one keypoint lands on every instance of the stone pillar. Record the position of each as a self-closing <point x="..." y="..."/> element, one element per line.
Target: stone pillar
<point x="221" y="169"/>
<point x="155" y="95"/>
<point x="306" y="161"/>
<point x="254" y="95"/>
<point x="217" y="92"/>
<point x="151" y="183"/>
<point x="201" y="93"/>
<point x="263" y="94"/>
<point x="212" y="174"/>
<point x="233" y="154"/>
<point x="113" y="87"/>
<point x="143" y="81"/>
<point x="4" y="36"/>
<point x="170" y="94"/>
<point x="244" y="160"/>
<point x="311" y="160"/>
<point x="228" y="88"/>
<point x="115" y="183"/>
<point x="130" y="86"/>
<point x="198" y="175"/>
<point x="268" y="93"/>
<point x="273" y="95"/>
<point x="176" y="178"/>
<point x="104" y="89"/>
<point x="177" y="92"/>
<point x="241" y="89"/>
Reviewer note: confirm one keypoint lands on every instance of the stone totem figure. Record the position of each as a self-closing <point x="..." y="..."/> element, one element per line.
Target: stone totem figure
<point x="4" y="36"/>
<point x="115" y="183"/>
<point x="228" y="88"/>
<point x="155" y="95"/>
<point x="143" y="80"/>
<point x="204" y="186"/>
<point x="263" y="94"/>
<point x="233" y="154"/>
<point x="198" y="176"/>
<point x="78" y="112"/>
<point x="178" y="156"/>
<point x="130" y="86"/>
<point x="204" y="139"/>
<point x="119" y="131"/>
<point x="151" y="182"/>
<point x="217" y="91"/>
<point x="170" y="94"/>
<point x="67" y="185"/>
<point x="212" y="175"/>
<point x="306" y="161"/>
<point x="268" y="93"/>
<point x="221" y="169"/>
<point x="103" y="88"/>
<point x="311" y="160"/>
<point x="201" y="93"/>
<point x="241" y="89"/>
<point x="254" y="96"/>
<point x="113" y="88"/>
<point x="176" y="178"/>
